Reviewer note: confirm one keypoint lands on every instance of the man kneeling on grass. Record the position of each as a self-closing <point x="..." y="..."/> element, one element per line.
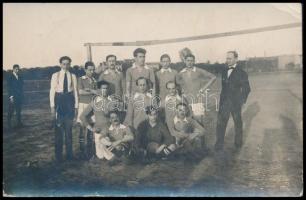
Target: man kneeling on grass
<point x="153" y="139"/>
<point x="188" y="133"/>
<point x="115" y="141"/>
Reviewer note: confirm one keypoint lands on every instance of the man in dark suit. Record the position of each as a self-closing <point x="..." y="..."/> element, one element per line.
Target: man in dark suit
<point x="15" y="95"/>
<point x="235" y="90"/>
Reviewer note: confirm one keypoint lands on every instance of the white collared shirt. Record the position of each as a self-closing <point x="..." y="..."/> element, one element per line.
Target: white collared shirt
<point x="57" y="85"/>
<point x="86" y="77"/>
<point x="230" y="70"/>
<point x="145" y="66"/>
<point x="137" y="94"/>
<point x="107" y="71"/>
<point x="162" y="70"/>
<point x="99" y="98"/>
<point x="169" y="97"/>
<point x="15" y="75"/>
<point x="186" y="68"/>
<point x="121" y="126"/>
<point x="176" y="119"/>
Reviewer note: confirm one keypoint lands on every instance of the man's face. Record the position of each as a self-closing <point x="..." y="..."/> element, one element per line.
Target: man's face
<point x="171" y="89"/>
<point x="181" y="111"/>
<point x="165" y="63"/>
<point x="140" y="59"/>
<point x="189" y="62"/>
<point x="104" y="90"/>
<point x="153" y="116"/>
<point x="16" y="70"/>
<point x="230" y="59"/>
<point x="65" y="64"/>
<point x="114" y="119"/>
<point x="142" y="86"/>
<point x="111" y="62"/>
<point x="90" y="71"/>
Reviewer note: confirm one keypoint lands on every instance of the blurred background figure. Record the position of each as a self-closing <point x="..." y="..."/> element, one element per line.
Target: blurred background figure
<point x="15" y="95"/>
<point x="182" y="53"/>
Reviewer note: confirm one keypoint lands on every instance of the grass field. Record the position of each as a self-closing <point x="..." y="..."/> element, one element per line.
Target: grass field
<point x="270" y="162"/>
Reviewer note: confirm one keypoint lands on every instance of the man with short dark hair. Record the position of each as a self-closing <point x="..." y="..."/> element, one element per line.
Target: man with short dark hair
<point x="64" y="104"/>
<point x="87" y="86"/>
<point x="139" y="69"/>
<point x="164" y="75"/>
<point x="194" y="81"/>
<point x="168" y="104"/>
<point x="189" y="134"/>
<point x="115" y="141"/>
<point x="114" y="77"/>
<point x="15" y="96"/>
<point x="100" y="106"/>
<point x="153" y="137"/>
<point x="234" y="93"/>
<point x="136" y="105"/>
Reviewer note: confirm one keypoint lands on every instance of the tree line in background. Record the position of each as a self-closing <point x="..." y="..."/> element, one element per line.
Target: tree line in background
<point x="45" y="73"/>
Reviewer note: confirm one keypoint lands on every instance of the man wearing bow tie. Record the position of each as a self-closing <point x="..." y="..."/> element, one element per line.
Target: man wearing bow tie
<point x="15" y="94"/>
<point x="235" y="90"/>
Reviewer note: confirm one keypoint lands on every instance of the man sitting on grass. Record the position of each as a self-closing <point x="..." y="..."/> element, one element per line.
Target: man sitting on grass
<point x="100" y="106"/>
<point x="188" y="133"/>
<point x="115" y="141"/>
<point x="153" y="138"/>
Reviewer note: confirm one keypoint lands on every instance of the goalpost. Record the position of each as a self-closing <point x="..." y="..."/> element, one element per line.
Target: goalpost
<point x="192" y="38"/>
<point x="89" y="45"/>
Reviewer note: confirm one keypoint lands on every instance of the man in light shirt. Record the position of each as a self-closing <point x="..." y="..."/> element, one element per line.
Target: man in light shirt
<point x="136" y="106"/>
<point x="114" y="141"/>
<point x="114" y="77"/>
<point x="168" y="104"/>
<point x="189" y="134"/>
<point x="100" y="106"/>
<point x="87" y="86"/>
<point x="139" y="69"/>
<point x="164" y="75"/>
<point x="194" y="81"/>
<point x="64" y="105"/>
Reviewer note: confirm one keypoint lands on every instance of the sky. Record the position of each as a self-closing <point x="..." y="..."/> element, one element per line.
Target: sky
<point x="38" y="34"/>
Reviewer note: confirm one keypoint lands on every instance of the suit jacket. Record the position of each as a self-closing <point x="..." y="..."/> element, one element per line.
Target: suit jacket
<point x="236" y="87"/>
<point x="15" y="86"/>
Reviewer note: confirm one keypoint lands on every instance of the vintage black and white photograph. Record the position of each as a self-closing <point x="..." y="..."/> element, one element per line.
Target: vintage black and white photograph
<point x="152" y="99"/>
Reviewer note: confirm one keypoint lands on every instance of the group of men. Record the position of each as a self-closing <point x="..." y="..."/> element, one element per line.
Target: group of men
<point x="142" y="115"/>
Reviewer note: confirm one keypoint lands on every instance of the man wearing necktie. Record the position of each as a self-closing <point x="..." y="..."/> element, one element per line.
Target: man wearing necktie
<point x="15" y="94"/>
<point x="235" y="90"/>
<point x="64" y="104"/>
